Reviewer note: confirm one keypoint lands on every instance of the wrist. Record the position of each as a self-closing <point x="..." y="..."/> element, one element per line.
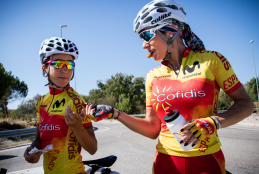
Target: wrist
<point x="116" y="114"/>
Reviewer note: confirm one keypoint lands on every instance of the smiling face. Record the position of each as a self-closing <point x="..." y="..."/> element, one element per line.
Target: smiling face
<point x="157" y="47"/>
<point x="59" y="77"/>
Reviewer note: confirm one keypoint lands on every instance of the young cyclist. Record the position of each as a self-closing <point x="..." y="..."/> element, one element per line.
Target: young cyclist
<point x="189" y="80"/>
<point x="59" y="120"/>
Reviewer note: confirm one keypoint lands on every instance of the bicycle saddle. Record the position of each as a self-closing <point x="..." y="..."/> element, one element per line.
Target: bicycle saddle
<point x="102" y="162"/>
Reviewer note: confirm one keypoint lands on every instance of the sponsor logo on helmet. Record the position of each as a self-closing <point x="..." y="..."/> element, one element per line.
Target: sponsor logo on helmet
<point x="161" y="18"/>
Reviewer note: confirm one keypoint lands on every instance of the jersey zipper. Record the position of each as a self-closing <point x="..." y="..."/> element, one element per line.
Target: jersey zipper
<point x="52" y="99"/>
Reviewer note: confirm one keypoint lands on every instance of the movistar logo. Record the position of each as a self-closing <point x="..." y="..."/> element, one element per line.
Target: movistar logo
<point x="57" y="103"/>
<point x="190" y="70"/>
<point x="161" y="18"/>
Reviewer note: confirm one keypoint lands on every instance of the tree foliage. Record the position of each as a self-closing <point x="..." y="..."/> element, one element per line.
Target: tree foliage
<point x="224" y="101"/>
<point x="28" y="108"/>
<point x="251" y="89"/>
<point x="11" y="88"/>
<point x="124" y="92"/>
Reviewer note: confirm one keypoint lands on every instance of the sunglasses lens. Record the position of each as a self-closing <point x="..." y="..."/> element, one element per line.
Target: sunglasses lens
<point x="59" y="64"/>
<point x="70" y="65"/>
<point x="146" y="35"/>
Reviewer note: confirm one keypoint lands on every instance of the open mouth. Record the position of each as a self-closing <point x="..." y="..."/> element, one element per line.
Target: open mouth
<point x="151" y="53"/>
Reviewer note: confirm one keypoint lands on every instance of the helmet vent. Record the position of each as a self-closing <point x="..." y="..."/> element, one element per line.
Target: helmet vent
<point x="75" y="48"/>
<point x="56" y="39"/>
<point x="144" y="10"/>
<point x="137" y="25"/>
<point x="148" y="19"/>
<point x="68" y="41"/>
<point x="174" y="7"/>
<point x="161" y="10"/>
<point x="58" y="43"/>
<point x="77" y="52"/>
<point x="48" y="49"/>
<point x="144" y="15"/>
<point x="60" y="49"/>
<point x="51" y="45"/>
<point x="137" y="19"/>
<point x="64" y="40"/>
<point x="160" y="4"/>
<point x="71" y="50"/>
<point x="70" y="45"/>
<point x="66" y="46"/>
<point x="151" y="2"/>
<point x="51" y="41"/>
<point x="181" y="8"/>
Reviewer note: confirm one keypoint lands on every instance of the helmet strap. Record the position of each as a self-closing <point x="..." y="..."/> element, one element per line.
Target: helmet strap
<point x="170" y="41"/>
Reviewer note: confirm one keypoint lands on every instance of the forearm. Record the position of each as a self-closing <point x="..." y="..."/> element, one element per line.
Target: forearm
<point x="37" y="143"/>
<point x="237" y="112"/>
<point x="86" y="140"/>
<point x="149" y="127"/>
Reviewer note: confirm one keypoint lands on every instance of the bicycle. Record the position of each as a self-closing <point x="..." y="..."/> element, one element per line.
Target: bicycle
<point x="101" y="165"/>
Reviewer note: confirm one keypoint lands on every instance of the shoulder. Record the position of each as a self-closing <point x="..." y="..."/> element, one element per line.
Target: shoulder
<point x="41" y="98"/>
<point x="156" y="71"/>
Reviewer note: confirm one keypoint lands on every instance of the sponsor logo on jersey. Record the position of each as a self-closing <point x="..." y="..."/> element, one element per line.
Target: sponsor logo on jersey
<point x="203" y="145"/>
<point x="72" y="146"/>
<point x="53" y="160"/>
<point x="189" y="69"/>
<point x="164" y="96"/>
<point x="56" y="110"/>
<point x="223" y="60"/>
<point x="75" y="99"/>
<point x="57" y="103"/>
<point x="156" y="77"/>
<point x="230" y="82"/>
<point x="49" y="127"/>
<point x="161" y="18"/>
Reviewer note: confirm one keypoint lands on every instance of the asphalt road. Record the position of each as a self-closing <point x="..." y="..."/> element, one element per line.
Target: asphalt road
<point x="136" y="153"/>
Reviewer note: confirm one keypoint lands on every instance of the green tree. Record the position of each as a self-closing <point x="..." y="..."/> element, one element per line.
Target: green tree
<point x="121" y="91"/>
<point x="28" y="108"/>
<point x="224" y="101"/>
<point x="11" y="89"/>
<point x="251" y="89"/>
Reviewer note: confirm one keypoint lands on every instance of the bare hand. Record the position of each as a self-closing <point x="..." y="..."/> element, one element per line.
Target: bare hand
<point x="32" y="158"/>
<point x="87" y="109"/>
<point x="73" y="119"/>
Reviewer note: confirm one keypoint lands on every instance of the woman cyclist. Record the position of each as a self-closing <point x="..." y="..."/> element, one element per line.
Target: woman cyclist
<point x="188" y="80"/>
<point x="58" y="120"/>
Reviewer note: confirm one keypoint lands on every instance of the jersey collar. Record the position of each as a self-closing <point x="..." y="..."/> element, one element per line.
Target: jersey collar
<point x="185" y="54"/>
<point x="57" y="91"/>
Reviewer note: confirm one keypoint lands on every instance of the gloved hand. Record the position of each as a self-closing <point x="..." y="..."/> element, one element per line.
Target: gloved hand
<point x="197" y="130"/>
<point x="101" y="112"/>
<point x="202" y="128"/>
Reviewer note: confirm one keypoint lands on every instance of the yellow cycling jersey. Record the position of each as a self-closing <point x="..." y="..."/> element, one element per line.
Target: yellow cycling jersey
<point x="65" y="156"/>
<point x="194" y="92"/>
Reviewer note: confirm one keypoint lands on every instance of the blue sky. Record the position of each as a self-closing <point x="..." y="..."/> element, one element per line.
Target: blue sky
<point x="103" y="33"/>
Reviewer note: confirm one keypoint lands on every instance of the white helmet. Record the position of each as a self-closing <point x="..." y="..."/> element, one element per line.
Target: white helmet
<point x="156" y="14"/>
<point x="57" y="45"/>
